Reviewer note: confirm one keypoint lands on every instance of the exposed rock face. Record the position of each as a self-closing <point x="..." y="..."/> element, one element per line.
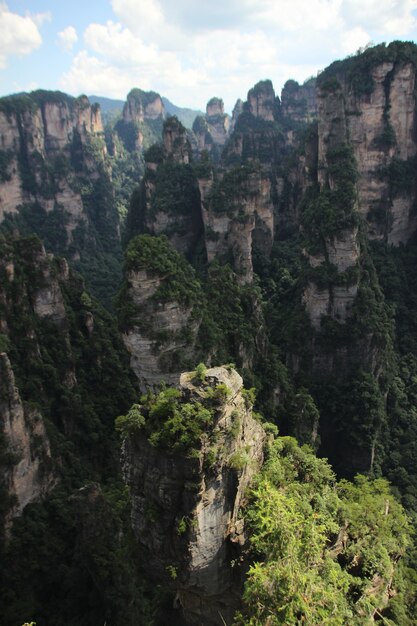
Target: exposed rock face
<point x="380" y="127"/>
<point x="299" y="102"/>
<point x="212" y="131"/>
<point x="261" y="101"/>
<point x="254" y="137"/>
<point x="335" y="301"/>
<point x="168" y="201"/>
<point x="54" y="171"/>
<point x="27" y="477"/>
<point x="246" y="223"/>
<point x="217" y="121"/>
<point x="141" y="105"/>
<point x="176" y="142"/>
<point x="237" y="110"/>
<point x="165" y="329"/>
<point x="215" y="107"/>
<point x="185" y="510"/>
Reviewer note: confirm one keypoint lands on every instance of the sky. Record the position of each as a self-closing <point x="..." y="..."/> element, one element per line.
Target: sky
<point x="187" y="50"/>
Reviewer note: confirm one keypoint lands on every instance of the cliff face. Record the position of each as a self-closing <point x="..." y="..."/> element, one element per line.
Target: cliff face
<point x="176" y="143"/>
<point x="261" y="101"/>
<point x="380" y="126"/>
<point x="143" y="110"/>
<point x="55" y="180"/>
<point x="166" y="329"/>
<point x="31" y="138"/>
<point x="141" y="105"/>
<point x="212" y="131"/>
<point x="156" y="309"/>
<point x="168" y="200"/>
<point x="299" y="102"/>
<point x="27" y="474"/>
<point x="238" y="216"/>
<point x="185" y="508"/>
<point x="55" y="343"/>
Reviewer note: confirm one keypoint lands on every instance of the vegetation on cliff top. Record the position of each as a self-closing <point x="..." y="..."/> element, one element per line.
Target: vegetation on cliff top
<point x="357" y="69"/>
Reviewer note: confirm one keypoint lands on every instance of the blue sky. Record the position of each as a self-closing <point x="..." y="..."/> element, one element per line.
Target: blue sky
<point x="187" y="50"/>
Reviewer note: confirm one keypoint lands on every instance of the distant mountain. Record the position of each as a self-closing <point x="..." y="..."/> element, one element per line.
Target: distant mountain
<point x="185" y="116"/>
<point x="112" y="108"/>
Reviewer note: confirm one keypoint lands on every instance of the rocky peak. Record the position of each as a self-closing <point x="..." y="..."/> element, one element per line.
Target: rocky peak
<point x="237" y="110"/>
<point x="370" y="101"/>
<point x="143" y="105"/>
<point x="212" y="130"/>
<point x="195" y="495"/>
<point x="215" y="106"/>
<point x="176" y="143"/>
<point x="238" y="216"/>
<point x="261" y="101"/>
<point x="299" y="102"/>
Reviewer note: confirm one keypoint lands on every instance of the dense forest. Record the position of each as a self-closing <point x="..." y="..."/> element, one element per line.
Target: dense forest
<point x="208" y="354"/>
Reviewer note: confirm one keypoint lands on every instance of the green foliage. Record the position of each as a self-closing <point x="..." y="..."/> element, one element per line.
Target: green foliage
<point x="358" y="68"/>
<point x="239" y="460"/>
<point x="176" y="190"/>
<point x="59" y="565"/>
<point x="129" y="424"/>
<point x="222" y="195"/>
<point x="218" y="394"/>
<point x="6" y="157"/>
<point x="4" y="343"/>
<point x="249" y="396"/>
<point x="200" y="373"/>
<point x="227" y="315"/>
<point x="168" y="422"/>
<point x="401" y="176"/>
<point x="154" y="154"/>
<point x="327" y="212"/>
<point x="302" y="571"/>
<point x="158" y="257"/>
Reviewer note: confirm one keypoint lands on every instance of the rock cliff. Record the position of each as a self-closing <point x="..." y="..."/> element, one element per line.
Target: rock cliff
<point x="212" y="131"/>
<point x="26" y="470"/>
<point x="52" y="350"/>
<point x="261" y="102"/>
<point x="238" y="216"/>
<point x="168" y="199"/>
<point x="143" y="105"/>
<point x="185" y="506"/>
<point x="379" y="122"/>
<point x="34" y="130"/>
<point x="143" y="114"/>
<point x="299" y="102"/>
<point x="55" y="179"/>
<point x="156" y="310"/>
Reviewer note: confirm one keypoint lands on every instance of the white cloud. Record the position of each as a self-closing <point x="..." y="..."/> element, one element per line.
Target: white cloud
<point x="68" y="38"/>
<point x="354" y="39"/>
<point x="392" y="18"/>
<point x="91" y="75"/>
<point x="191" y="50"/>
<point x="40" y="18"/>
<point x="19" y="35"/>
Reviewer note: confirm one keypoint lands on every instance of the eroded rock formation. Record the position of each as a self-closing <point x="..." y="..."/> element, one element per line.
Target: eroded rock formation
<point x="185" y="508"/>
<point x="27" y="471"/>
